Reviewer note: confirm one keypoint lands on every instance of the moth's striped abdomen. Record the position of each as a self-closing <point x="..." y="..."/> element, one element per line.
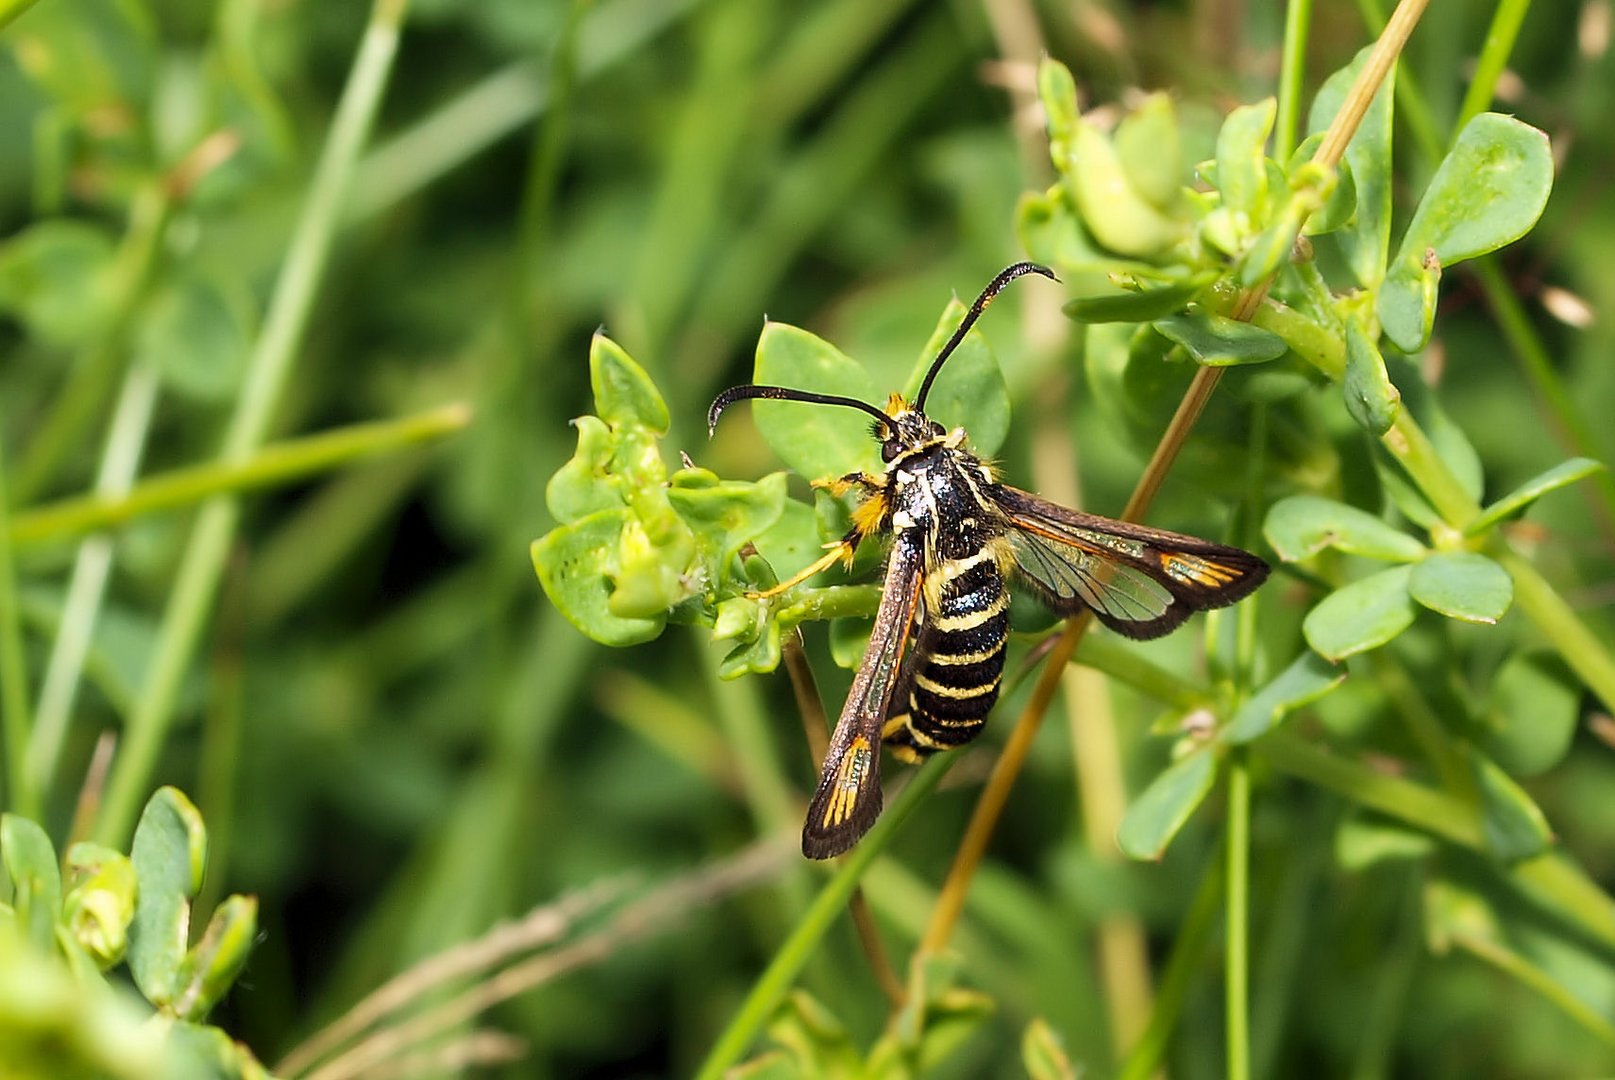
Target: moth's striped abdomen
<point x="962" y="655"/>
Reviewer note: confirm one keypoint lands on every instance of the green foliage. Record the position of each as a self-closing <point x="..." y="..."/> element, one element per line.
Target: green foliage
<point x="59" y="1013"/>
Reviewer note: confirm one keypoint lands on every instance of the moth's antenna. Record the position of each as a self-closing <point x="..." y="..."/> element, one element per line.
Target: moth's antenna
<point x="1007" y="275"/>
<point x="785" y="393"/>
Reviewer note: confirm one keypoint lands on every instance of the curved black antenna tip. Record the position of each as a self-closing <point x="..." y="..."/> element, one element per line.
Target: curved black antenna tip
<point x="994" y="287"/>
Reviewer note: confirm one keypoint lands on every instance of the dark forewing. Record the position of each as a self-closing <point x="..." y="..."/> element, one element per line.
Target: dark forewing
<point x="848" y="799"/>
<point x="1139" y="581"/>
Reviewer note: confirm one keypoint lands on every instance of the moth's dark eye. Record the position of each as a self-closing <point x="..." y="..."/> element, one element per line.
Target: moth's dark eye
<point x="936" y="428"/>
<point x="889" y="450"/>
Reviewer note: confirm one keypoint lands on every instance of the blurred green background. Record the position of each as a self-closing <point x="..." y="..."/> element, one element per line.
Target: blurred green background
<point x="394" y="738"/>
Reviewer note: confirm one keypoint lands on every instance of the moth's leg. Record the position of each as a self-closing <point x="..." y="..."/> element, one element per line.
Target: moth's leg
<point x="872" y="483"/>
<point x="841" y="550"/>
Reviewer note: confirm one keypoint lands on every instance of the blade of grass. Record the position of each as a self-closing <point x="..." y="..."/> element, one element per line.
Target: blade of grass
<point x="794" y="953"/>
<point x="1500" y="37"/>
<point x="278" y="463"/>
<point x="130" y="423"/>
<point x="287" y="319"/>
<point x="23" y="798"/>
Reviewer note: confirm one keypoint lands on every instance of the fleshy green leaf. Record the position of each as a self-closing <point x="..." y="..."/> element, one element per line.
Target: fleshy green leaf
<point x="1307" y="679"/>
<point x="56" y="277"/>
<point x="211" y="968"/>
<point x="1043" y="1053"/>
<point x="758" y="656"/>
<point x="1511" y="822"/>
<point x="100" y="902"/>
<point x="1361" y="616"/>
<point x="1488" y="192"/>
<point x="1051" y="233"/>
<point x="1218" y="341"/>
<point x="1462" y="585"/>
<point x="1149" y="149"/>
<point x="1530" y="713"/>
<point x="1155" y="817"/>
<point x="792" y="542"/>
<point x="818" y="441"/>
<point x="1341" y="202"/>
<point x="36" y="881"/>
<point x="623" y="393"/>
<point x="576" y="564"/>
<point x="1117" y="216"/>
<point x="168" y="853"/>
<point x="1366" y="839"/>
<point x="969" y="392"/>
<point x="1144" y="304"/>
<point x="1371" y="398"/>
<point x="1241" y="164"/>
<point x="1302" y="525"/>
<point x="727" y="515"/>
<point x="935" y="1018"/>
<point x="1515" y="502"/>
<point x="586" y="484"/>
<point x="1366" y="241"/>
<point x="196" y="336"/>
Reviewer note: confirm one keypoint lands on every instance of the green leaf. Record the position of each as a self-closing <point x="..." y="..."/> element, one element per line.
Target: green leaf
<point x="57" y="278"/>
<point x="1218" y="341"/>
<point x="1566" y="472"/>
<point x="168" y="853"/>
<point x="195" y="336"/>
<point x="211" y="968"/>
<point x="969" y="392"/>
<point x="1365" y="839"/>
<point x="1361" y="616"/>
<point x="1366" y="241"/>
<point x="1051" y="233"/>
<point x="817" y="441"/>
<point x="1113" y="212"/>
<point x="100" y="902"/>
<point x="576" y="565"/>
<point x="1340" y="204"/>
<point x="849" y="640"/>
<point x="1511" y="822"/>
<point x="586" y="484"/>
<point x="1488" y="192"/>
<point x="1150" y="151"/>
<point x="791" y="542"/>
<point x="623" y="393"/>
<point x="728" y="515"/>
<point x="1043" y="1053"/>
<point x="1530" y="713"/>
<point x="1462" y="585"/>
<point x="1057" y="93"/>
<point x="1302" y="525"/>
<point x="1308" y="678"/>
<point x="1371" y="398"/>
<point x="758" y="656"/>
<point x="1143" y="304"/>
<point x="1155" y="817"/>
<point x="1241" y="162"/>
<point x="815" y="1041"/>
<point x="36" y="881"/>
<point x="936" y="1016"/>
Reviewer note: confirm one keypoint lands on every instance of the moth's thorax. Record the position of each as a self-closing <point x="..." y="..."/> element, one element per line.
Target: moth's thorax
<point x="938" y="493"/>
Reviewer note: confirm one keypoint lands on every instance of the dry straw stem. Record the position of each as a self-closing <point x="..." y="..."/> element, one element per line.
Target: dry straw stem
<point x="657" y="911"/>
<point x="950" y="901"/>
<point x="480" y="1048"/>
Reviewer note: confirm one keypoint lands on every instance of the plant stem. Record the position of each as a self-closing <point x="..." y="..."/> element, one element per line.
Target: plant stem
<point x="278" y="463"/>
<point x="1188" y="950"/>
<point x="1580" y="647"/>
<point x="1494" y="54"/>
<point x="14" y="708"/>
<point x="1236" y="974"/>
<point x="287" y="319"/>
<point x="770" y="988"/>
<point x="130" y="423"/>
<point x="1292" y="72"/>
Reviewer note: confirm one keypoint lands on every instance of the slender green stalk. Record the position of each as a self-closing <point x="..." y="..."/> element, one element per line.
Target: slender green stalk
<point x="1494" y="54"/>
<point x="1121" y="661"/>
<point x="14" y="708"/>
<point x="1292" y="72"/>
<point x="131" y="421"/>
<point x="1538" y="980"/>
<point x="278" y="463"/>
<point x="1581" y="648"/>
<point x="284" y="326"/>
<point x="1428" y="731"/>
<point x="1182" y="967"/>
<point x="794" y="953"/>
<point x="1236" y="972"/>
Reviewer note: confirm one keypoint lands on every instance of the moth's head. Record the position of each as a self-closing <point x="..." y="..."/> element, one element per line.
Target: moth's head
<point x="906" y="429"/>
